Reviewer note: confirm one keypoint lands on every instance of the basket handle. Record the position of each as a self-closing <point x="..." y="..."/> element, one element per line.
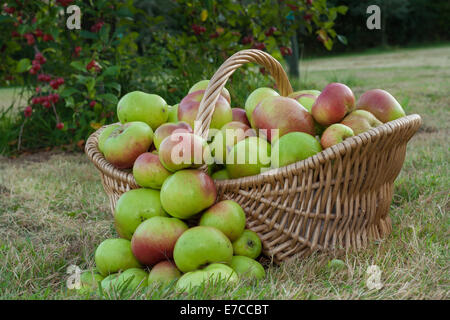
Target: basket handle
<point x="225" y="71"/>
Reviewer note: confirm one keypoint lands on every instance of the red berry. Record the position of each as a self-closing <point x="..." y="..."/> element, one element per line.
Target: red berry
<point x="38" y="89"/>
<point x="9" y="10"/>
<point x="59" y="125"/>
<point x="247" y="39"/>
<point x="309" y="2"/>
<point x="262" y="70"/>
<point x="30" y="39"/>
<point x="259" y="46"/>
<point x="38" y="33"/>
<point x="92" y="103"/>
<point x="270" y="32"/>
<point x="35" y="100"/>
<point x="307" y="17"/>
<point x="93" y="65"/>
<point x="47" y="37"/>
<point x="28" y="111"/>
<point x="14" y="34"/>
<point x="97" y="26"/>
<point x="40" y="58"/>
<point x="293" y="7"/>
<point x="198" y="30"/>
<point x="214" y="35"/>
<point x="46" y="104"/>
<point x="60" y="81"/>
<point x="77" y="51"/>
<point x="285" y="51"/>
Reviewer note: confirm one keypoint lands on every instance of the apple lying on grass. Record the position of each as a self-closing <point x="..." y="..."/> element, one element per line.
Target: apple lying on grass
<point x="114" y="255"/>
<point x="246" y="267"/>
<point x="248" y="244"/>
<point x="163" y="272"/>
<point x="381" y="104"/>
<point x="334" y="134"/>
<point x="210" y="275"/>
<point x="130" y="279"/>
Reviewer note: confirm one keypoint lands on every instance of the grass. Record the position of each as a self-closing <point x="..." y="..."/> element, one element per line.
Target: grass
<point x="54" y="212"/>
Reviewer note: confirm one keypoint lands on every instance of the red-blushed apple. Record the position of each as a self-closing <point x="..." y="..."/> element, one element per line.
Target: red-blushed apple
<point x="248" y="157"/>
<point x="187" y="192"/>
<point x="227" y="137"/>
<point x="282" y="114"/>
<point x="126" y="143"/>
<point x="163" y="272"/>
<point x="240" y="115"/>
<point x="167" y="129"/>
<point x="334" y="134"/>
<point x="246" y="267"/>
<point x="293" y="147"/>
<point x="200" y="246"/>
<point x="381" y="104"/>
<point x="145" y="107"/>
<point x="255" y="98"/>
<point x="333" y="103"/>
<point x="135" y="206"/>
<point x="104" y="135"/>
<point x="305" y="97"/>
<point x="221" y="175"/>
<point x="210" y="275"/>
<point x="189" y="106"/>
<point x="155" y="238"/>
<point x="173" y="114"/>
<point x="149" y="172"/>
<point x="227" y="216"/>
<point x="361" y="121"/>
<point x="248" y="244"/>
<point x="183" y="150"/>
<point x="114" y="255"/>
<point x="203" y="84"/>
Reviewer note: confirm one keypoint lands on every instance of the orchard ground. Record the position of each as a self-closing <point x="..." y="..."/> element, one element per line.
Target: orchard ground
<point x="54" y="212"/>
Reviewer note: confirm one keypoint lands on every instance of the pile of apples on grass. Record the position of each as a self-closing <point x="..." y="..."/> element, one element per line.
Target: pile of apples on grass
<point x="156" y="246"/>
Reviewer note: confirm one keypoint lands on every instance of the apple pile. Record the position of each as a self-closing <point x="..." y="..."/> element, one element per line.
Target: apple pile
<point x="158" y="144"/>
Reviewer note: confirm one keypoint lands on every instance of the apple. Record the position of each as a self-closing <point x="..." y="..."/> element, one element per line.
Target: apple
<point x="255" y="98"/>
<point x="132" y="279"/>
<point x="381" y="104"/>
<point x="240" y="115"/>
<point x="188" y="108"/>
<point x="313" y="92"/>
<point x="167" y="129"/>
<point x="187" y="192"/>
<point x="154" y="239"/>
<point x="203" y="84"/>
<point x="145" y="107"/>
<point x="282" y="114"/>
<point x="305" y="99"/>
<point x="361" y="121"/>
<point x="134" y="207"/>
<point x="227" y="137"/>
<point x="211" y="274"/>
<point x="246" y="267"/>
<point x="183" y="150"/>
<point x="201" y="245"/>
<point x="89" y="281"/>
<point x="227" y="216"/>
<point x="104" y="135"/>
<point x="293" y="147"/>
<point x="149" y="172"/>
<point x="221" y="175"/>
<point x="334" y="134"/>
<point x="248" y="157"/>
<point x="333" y="103"/>
<point x="126" y="143"/>
<point x="164" y="272"/>
<point x="248" y="244"/>
<point x="173" y="114"/>
<point x="109" y="282"/>
<point x="113" y="255"/>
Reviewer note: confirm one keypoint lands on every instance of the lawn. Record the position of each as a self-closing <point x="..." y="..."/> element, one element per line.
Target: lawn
<point x="54" y="212"/>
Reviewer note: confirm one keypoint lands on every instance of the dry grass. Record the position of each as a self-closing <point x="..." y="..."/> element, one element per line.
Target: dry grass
<point x="53" y="211"/>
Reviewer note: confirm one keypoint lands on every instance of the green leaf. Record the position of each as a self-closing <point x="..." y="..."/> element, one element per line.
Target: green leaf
<point x="108" y="97"/>
<point x="23" y="65"/>
<point x="342" y="9"/>
<point x="342" y="39"/>
<point x="78" y="65"/>
<point x="67" y="92"/>
<point x="111" y="71"/>
<point x="113" y="85"/>
<point x="88" y="35"/>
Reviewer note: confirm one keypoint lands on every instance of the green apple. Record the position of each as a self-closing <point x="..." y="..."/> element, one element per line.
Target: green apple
<point x="113" y="255"/>
<point x="209" y="275"/>
<point x="334" y="134"/>
<point x="255" y="98"/>
<point x="221" y="175"/>
<point x="173" y="114"/>
<point x="145" y="107"/>
<point x="201" y="245"/>
<point x="361" y="121"/>
<point x="293" y="147"/>
<point x="89" y="283"/>
<point x="203" y="84"/>
<point x="246" y="267"/>
<point x="248" y="157"/>
<point x="132" y="278"/>
<point x="109" y="282"/>
<point x="135" y="206"/>
<point x="248" y="244"/>
<point x="227" y="216"/>
<point x="164" y="273"/>
<point x="149" y="172"/>
<point x="104" y="135"/>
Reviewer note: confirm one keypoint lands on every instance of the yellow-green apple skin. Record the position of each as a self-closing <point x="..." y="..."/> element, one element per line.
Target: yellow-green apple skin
<point x="134" y="207"/>
<point x="246" y="267"/>
<point x="173" y="114"/>
<point x="167" y="129"/>
<point x="104" y="135"/>
<point x="209" y="275"/>
<point x="149" y="172"/>
<point x="248" y="157"/>
<point x="361" y="121"/>
<point x="240" y="115"/>
<point x="108" y="282"/>
<point x="293" y="147"/>
<point x="154" y="239"/>
<point x="145" y="107"/>
<point x="187" y="192"/>
<point x="227" y="216"/>
<point x="203" y="84"/>
<point x="183" y="150"/>
<point x="333" y="103"/>
<point x="126" y="143"/>
<point x="284" y="115"/>
<point x="305" y="99"/>
<point x="255" y="98"/>
<point x="114" y="255"/>
<point x="308" y="91"/>
<point x="248" y="244"/>
<point x="132" y="278"/>
<point x="334" y="134"/>
<point x="201" y="245"/>
<point x="221" y="175"/>
<point x="163" y="272"/>
<point x="189" y="106"/>
<point x="227" y="137"/>
<point x="89" y="281"/>
<point x="381" y="104"/>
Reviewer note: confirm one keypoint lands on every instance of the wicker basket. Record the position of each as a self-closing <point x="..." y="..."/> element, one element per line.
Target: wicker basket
<point x="337" y="199"/>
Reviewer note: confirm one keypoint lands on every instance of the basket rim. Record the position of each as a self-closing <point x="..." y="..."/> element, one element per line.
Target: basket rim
<point x="126" y="176"/>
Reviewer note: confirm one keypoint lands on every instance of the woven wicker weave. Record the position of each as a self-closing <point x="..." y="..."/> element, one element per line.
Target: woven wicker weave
<point x="337" y="199"/>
